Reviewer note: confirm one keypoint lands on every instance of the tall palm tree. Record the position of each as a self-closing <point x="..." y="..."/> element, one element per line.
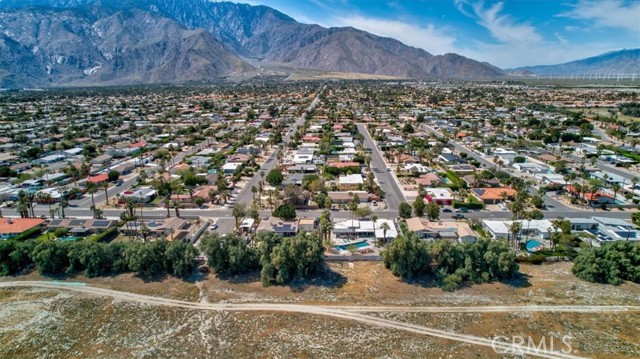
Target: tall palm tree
<point x="91" y="188"/>
<point x="385" y="227"/>
<point x="176" y="207"/>
<point x="105" y="186"/>
<point x="616" y="188"/>
<point x="634" y="182"/>
<point x="514" y="229"/>
<point x="167" y="205"/>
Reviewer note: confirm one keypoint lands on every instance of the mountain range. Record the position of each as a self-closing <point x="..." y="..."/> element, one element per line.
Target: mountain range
<point x="626" y="61"/>
<point x="97" y="42"/>
<point x="109" y="42"/>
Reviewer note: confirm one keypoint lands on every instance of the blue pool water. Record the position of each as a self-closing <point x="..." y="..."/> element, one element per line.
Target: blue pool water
<point x="358" y="245"/>
<point x="68" y="238"/>
<point x="532" y="244"/>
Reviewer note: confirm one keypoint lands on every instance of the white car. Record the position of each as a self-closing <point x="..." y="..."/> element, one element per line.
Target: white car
<point x="213" y="227"/>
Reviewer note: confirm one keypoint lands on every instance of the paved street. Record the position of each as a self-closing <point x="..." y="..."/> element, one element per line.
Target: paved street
<point x="394" y="195"/>
<point x="245" y="195"/>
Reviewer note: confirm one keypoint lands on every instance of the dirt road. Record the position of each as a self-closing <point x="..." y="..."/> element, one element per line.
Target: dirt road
<point x="353" y="313"/>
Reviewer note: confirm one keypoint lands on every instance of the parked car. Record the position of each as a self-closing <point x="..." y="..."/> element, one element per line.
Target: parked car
<point x="213" y="226"/>
<point x="458" y="216"/>
<point x="374" y="203"/>
<point x="447" y="210"/>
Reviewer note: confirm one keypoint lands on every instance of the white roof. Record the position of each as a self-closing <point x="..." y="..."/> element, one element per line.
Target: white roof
<point x="351" y="179"/>
<point x="439" y="193"/>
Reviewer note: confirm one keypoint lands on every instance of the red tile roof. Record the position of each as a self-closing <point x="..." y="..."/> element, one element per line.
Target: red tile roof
<point x="99" y="178"/>
<point x="18" y="225"/>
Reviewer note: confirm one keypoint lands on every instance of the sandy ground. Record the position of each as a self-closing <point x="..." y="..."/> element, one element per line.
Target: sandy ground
<point x="47" y="323"/>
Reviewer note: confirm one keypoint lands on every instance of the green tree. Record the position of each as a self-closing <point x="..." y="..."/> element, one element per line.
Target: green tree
<point x="433" y="211"/>
<point x="363" y="212"/>
<point x="275" y="177"/>
<point x="239" y="212"/>
<point x="285" y="212"/>
<point x="181" y="258"/>
<point x="113" y="175"/>
<point x="146" y="259"/>
<point x="419" y="206"/>
<point x="407" y="256"/>
<point x="405" y="210"/>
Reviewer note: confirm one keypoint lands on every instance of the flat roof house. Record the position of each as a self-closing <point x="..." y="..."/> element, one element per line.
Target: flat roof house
<point x="353" y="181"/>
<point x="425" y="229"/>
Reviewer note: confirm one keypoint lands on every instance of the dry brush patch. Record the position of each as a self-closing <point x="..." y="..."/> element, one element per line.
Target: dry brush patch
<point x="74" y="326"/>
<point x="601" y="335"/>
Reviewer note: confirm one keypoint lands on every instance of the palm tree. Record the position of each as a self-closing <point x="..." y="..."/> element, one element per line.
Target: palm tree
<point x="514" y="229"/>
<point x="91" y="188"/>
<point x="125" y="218"/>
<point x="239" y="211"/>
<point x="167" y="205"/>
<point x="105" y="186"/>
<point x="385" y="227"/>
<point x="616" y="188"/>
<point x="254" y="190"/>
<point x="634" y="182"/>
<point x="176" y="207"/>
<point x="23" y="209"/>
<point x="596" y="185"/>
<point x="555" y="238"/>
<point x="64" y="203"/>
<point x="213" y="194"/>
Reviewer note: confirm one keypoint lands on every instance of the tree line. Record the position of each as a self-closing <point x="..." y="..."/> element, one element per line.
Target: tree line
<point x="612" y="263"/>
<point x="98" y="259"/>
<point x="280" y="259"/>
<point x="451" y="265"/>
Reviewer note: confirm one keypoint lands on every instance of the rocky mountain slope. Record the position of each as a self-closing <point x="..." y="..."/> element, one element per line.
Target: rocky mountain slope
<point x="623" y="62"/>
<point x="134" y="41"/>
<point x="54" y="47"/>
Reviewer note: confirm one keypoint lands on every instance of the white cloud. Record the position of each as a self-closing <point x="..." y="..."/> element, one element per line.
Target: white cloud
<point x="434" y="40"/>
<point x="501" y="27"/>
<point x="607" y="13"/>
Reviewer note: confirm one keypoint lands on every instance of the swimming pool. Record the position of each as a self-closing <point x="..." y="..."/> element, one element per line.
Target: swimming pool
<point x="68" y="238"/>
<point x="345" y="247"/>
<point x="533" y="246"/>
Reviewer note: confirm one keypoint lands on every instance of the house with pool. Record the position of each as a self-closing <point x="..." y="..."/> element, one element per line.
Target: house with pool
<point x="361" y="235"/>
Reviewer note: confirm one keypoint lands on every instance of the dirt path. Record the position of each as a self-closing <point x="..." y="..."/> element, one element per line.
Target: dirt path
<point x="343" y="312"/>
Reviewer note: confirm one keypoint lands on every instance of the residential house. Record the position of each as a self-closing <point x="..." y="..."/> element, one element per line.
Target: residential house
<point x="429" y="180"/>
<point x="13" y="227"/>
<point x="101" y="160"/>
<point x="425" y="229"/>
<point x="140" y="195"/>
<point x="347" y="197"/>
<point x="278" y="226"/>
<point x="82" y="226"/>
<point x="540" y="228"/>
<point x="351" y="182"/>
<point x="494" y="195"/>
<point x="450" y="158"/>
<point x="173" y="228"/>
<point x="365" y="229"/>
<point x="441" y="196"/>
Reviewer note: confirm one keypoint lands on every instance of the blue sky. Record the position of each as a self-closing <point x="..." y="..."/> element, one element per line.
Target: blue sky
<point x="506" y="34"/>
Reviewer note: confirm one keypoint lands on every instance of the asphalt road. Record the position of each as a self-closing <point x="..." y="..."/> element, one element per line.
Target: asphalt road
<point x="393" y="194"/>
<point x="245" y="195"/>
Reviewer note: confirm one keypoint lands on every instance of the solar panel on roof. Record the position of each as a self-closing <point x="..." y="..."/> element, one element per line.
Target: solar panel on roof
<point x="101" y="223"/>
<point x="76" y="222"/>
<point x="55" y="222"/>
